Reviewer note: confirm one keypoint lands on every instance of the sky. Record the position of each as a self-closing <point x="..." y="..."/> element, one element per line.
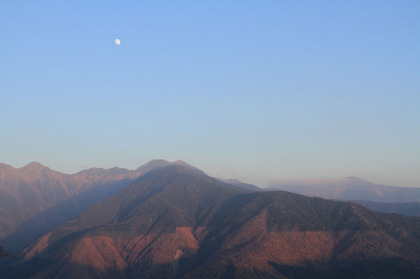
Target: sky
<point x="254" y="90"/>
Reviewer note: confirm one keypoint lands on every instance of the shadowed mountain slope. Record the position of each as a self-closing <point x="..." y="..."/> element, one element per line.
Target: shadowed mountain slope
<point x="35" y="199"/>
<point x="176" y="222"/>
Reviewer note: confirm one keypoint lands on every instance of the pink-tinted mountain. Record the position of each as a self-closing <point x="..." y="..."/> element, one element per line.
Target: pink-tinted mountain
<point x="176" y="222"/>
<point x="35" y="199"/>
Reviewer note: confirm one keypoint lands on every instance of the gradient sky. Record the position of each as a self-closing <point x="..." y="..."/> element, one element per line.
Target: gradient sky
<point x="255" y="90"/>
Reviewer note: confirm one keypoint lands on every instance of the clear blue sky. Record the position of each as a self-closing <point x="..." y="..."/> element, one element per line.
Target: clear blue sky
<point x="256" y="90"/>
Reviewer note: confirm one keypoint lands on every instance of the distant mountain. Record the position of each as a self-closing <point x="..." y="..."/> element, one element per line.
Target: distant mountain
<point x="35" y="199"/>
<point x="240" y="184"/>
<point x="407" y="208"/>
<point x="350" y="188"/>
<point x="176" y="222"/>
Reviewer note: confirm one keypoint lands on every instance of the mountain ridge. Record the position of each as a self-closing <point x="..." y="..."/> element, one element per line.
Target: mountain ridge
<point x="36" y="199"/>
<point x="176" y="222"/>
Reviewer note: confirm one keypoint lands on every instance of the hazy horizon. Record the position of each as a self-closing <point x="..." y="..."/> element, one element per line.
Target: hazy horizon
<point x="257" y="91"/>
<point x="266" y="182"/>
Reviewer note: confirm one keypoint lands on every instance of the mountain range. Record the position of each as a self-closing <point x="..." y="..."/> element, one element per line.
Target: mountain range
<point x="349" y="188"/>
<point x="35" y="199"/>
<point x="383" y="198"/>
<point x="171" y="220"/>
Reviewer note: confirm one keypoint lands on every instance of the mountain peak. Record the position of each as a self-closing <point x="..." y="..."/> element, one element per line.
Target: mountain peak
<point x="183" y="163"/>
<point x="33" y="166"/>
<point x="160" y="163"/>
<point x="357" y="180"/>
<point x="156" y="163"/>
<point x="353" y="177"/>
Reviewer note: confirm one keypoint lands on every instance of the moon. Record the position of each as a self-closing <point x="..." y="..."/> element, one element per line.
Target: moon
<point x="117" y="42"/>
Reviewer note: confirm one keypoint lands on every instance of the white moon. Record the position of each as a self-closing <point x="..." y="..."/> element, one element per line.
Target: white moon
<point x="117" y="42"/>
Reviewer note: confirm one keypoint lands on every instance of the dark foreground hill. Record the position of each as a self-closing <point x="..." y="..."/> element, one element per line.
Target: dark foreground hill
<point x="176" y="222"/>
